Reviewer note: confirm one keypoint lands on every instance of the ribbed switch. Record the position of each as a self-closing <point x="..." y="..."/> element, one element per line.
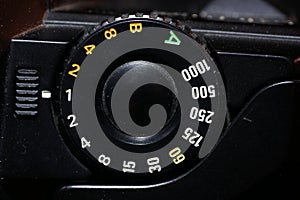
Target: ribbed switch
<point x="27" y="89"/>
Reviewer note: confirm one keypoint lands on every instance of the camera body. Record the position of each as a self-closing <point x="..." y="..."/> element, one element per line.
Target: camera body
<point x="258" y="64"/>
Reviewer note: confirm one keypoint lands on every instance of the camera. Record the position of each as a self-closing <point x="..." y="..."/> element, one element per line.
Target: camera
<point x="177" y="100"/>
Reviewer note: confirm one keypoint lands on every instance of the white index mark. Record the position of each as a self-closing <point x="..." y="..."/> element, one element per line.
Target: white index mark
<point x="46" y="94"/>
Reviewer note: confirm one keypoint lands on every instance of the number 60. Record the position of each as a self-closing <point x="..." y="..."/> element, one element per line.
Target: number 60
<point x="177" y="156"/>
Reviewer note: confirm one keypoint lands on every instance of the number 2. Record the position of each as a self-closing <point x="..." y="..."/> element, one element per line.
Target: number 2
<point x="74" y="71"/>
<point x="73" y="121"/>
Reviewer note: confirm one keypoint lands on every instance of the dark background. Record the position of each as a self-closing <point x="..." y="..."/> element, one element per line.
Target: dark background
<point x="18" y="16"/>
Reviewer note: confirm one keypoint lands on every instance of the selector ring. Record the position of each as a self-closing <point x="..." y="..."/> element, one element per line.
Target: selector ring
<point x="97" y="52"/>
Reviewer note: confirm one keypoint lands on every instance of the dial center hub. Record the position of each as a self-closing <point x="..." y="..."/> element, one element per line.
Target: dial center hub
<point x="139" y="98"/>
<point x="150" y="106"/>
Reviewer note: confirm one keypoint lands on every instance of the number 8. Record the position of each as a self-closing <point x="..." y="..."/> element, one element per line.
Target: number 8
<point x="105" y="160"/>
<point x="110" y="33"/>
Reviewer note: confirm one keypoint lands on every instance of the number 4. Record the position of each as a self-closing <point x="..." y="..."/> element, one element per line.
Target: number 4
<point x="85" y="143"/>
<point x="89" y="49"/>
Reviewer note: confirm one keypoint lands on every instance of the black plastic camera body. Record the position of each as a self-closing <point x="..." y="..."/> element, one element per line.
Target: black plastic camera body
<point x="259" y="67"/>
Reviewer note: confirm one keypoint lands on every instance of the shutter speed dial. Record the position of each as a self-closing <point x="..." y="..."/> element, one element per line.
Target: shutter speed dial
<point x="142" y="97"/>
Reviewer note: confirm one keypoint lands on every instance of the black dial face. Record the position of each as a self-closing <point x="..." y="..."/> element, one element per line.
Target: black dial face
<point x="141" y="98"/>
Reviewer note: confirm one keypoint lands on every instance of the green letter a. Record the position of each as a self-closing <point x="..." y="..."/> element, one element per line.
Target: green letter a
<point x="173" y="39"/>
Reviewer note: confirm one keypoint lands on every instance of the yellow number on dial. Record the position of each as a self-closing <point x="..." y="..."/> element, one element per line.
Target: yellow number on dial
<point x="89" y="49"/>
<point x="74" y="71"/>
<point x="177" y="156"/>
<point x="108" y="34"/>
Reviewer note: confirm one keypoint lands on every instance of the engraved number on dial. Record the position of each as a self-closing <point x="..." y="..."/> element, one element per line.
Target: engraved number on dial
<point x="89" y="49"/>
<point x="85" y="143"/>
<point x="103" y="159"/>
<point x="69" y="94"/>
<point x="72" y="119"/>
<point x="111" y="33"/>
<point x="204" y="92"/>
<point x="129" y="166"/>
<point x="75" y="70"/>
<point x="192" y="137"/>
<point x="154" y="165"/>
<point x="201" y="115"/>
<point x="177" y="156"/>
<point x="194" y="71"/>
